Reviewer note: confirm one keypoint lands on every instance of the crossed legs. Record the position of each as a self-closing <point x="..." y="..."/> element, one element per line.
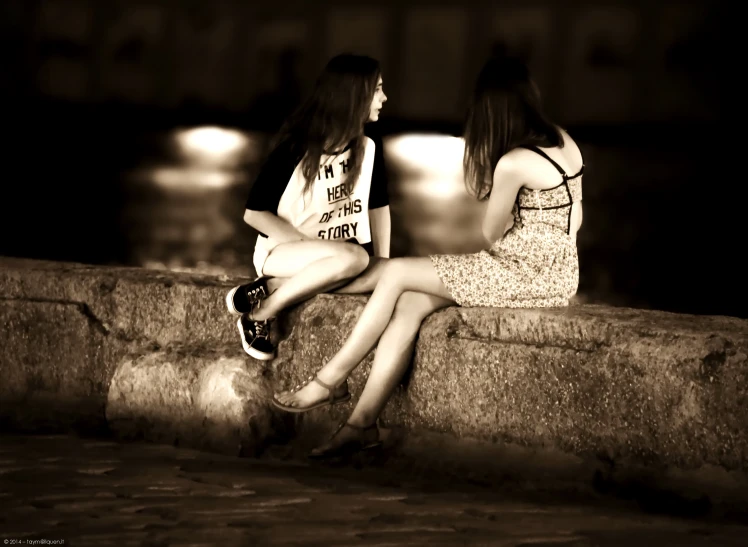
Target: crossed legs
<point x="408" y="290"/>
<point x="302" y="269"/>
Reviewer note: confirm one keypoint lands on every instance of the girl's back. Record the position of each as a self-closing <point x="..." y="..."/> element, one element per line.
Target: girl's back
<point x="552" y="191"/>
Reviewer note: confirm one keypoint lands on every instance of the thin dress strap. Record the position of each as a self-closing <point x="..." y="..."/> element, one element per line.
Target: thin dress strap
<point x="546" y="156"/>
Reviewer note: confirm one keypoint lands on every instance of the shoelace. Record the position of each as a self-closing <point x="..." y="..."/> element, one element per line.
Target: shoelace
<point x="261" y="330"/>
<point x="255" y="293"/>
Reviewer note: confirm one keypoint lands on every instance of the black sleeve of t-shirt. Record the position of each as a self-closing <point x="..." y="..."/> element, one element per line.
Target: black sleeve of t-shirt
<point x="378" y="195"/>
<point x="271" y="181"/>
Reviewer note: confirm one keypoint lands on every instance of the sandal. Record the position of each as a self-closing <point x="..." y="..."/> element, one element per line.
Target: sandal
<point x="350" y="447"/>
<point x="331" y="399"/>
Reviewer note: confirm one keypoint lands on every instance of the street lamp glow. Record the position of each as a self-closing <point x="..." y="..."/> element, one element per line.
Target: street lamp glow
<point x="211" y="144"/>
<point x="432" y="163"/>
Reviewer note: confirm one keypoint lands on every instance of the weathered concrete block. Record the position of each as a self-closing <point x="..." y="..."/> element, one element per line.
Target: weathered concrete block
<point x="55" y="365"/>
<point x="609" y="388"/>
<point x="618" y="384"/>
<point x="201" y="401"/>
<point x="132" y="304"/>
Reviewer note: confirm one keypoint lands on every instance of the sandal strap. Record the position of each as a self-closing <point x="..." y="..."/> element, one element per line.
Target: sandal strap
<point x="330" y="389"/>
<point x="341" y="425"/>
<point x="358" y="428"/>
<point x="323" y="384"/>
<point x="302" y="384"/>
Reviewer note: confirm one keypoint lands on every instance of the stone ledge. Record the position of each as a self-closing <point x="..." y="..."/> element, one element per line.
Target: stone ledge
<point x="154" y="354"/>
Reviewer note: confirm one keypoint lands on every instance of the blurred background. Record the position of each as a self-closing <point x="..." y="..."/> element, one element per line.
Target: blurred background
<point x="134" y="129"/>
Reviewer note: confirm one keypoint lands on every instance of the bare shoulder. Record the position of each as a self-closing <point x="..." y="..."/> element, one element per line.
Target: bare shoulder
<point x="520" y="165"/>
<point x="516" y="160"/>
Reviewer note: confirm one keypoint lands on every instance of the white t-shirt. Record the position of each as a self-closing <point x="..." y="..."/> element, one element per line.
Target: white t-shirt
<point x="327" y="210"/>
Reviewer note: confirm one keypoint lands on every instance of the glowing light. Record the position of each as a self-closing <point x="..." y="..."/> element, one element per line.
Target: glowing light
<point x="431" y="153"/>
<point x="176" y="178"/>
<point x="214" y="145"/>
<point x="212" y="140"/>
<point x="430" y="163"/>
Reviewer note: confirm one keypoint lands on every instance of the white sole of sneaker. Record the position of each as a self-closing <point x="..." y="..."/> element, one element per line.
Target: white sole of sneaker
<point x="249" y="350"/>
<point x="230" y="301"/>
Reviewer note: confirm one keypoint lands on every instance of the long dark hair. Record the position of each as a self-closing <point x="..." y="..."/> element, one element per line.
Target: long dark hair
<point x="334" y="115"/>
<point x="505" y="112"/>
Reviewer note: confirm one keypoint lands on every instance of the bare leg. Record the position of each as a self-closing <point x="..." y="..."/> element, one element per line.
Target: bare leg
<point x="274" y="283"/>
<point x="394" y="352"/>
<point x="366" y="280"/>
<point x="390" y="362"/>
<point x="399" y="275"/>
<point x="310" y="268"/>
<point x="363" y="284"/>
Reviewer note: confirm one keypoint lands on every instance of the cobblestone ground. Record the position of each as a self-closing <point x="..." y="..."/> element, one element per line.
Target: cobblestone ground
<point x="95" y="492"/>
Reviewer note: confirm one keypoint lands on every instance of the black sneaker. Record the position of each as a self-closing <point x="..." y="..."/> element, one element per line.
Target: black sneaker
<point x="256" y="338"/>
<point x="240" y="299"/>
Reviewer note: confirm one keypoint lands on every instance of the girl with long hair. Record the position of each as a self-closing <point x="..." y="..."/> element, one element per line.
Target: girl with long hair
<point x="530" y="173"/>
<point x="319" y="203"/>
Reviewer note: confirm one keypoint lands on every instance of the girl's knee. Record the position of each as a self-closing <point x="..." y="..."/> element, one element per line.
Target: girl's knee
<point x="352" y="259"/>
<point x="393" y="269"/>
<point x="393" y="272"/>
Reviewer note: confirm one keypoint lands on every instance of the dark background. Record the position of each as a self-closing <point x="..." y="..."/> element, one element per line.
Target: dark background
<point x="92" y="93"/>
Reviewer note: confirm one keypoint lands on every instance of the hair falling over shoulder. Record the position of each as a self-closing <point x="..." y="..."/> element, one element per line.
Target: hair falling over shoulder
<point x="504" y="112"/>
<point x="333" y="116"/>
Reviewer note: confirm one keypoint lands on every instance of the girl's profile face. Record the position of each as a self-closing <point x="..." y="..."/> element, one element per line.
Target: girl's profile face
<point x="377" y="102"/>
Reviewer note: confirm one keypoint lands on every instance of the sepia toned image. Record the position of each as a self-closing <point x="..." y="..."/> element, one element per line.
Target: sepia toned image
<point x="410" y="272"/>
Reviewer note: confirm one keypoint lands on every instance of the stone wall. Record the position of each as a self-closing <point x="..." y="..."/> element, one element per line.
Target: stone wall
<point x="579" y="393"/>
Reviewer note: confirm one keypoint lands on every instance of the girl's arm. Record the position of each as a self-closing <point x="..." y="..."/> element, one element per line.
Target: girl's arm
<point x="266" y="192"/>
<point x="507" y="180"/>
<point x="379" y="201"/>
<point x="380" y="222"/>
<point x="273" y="226"/>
